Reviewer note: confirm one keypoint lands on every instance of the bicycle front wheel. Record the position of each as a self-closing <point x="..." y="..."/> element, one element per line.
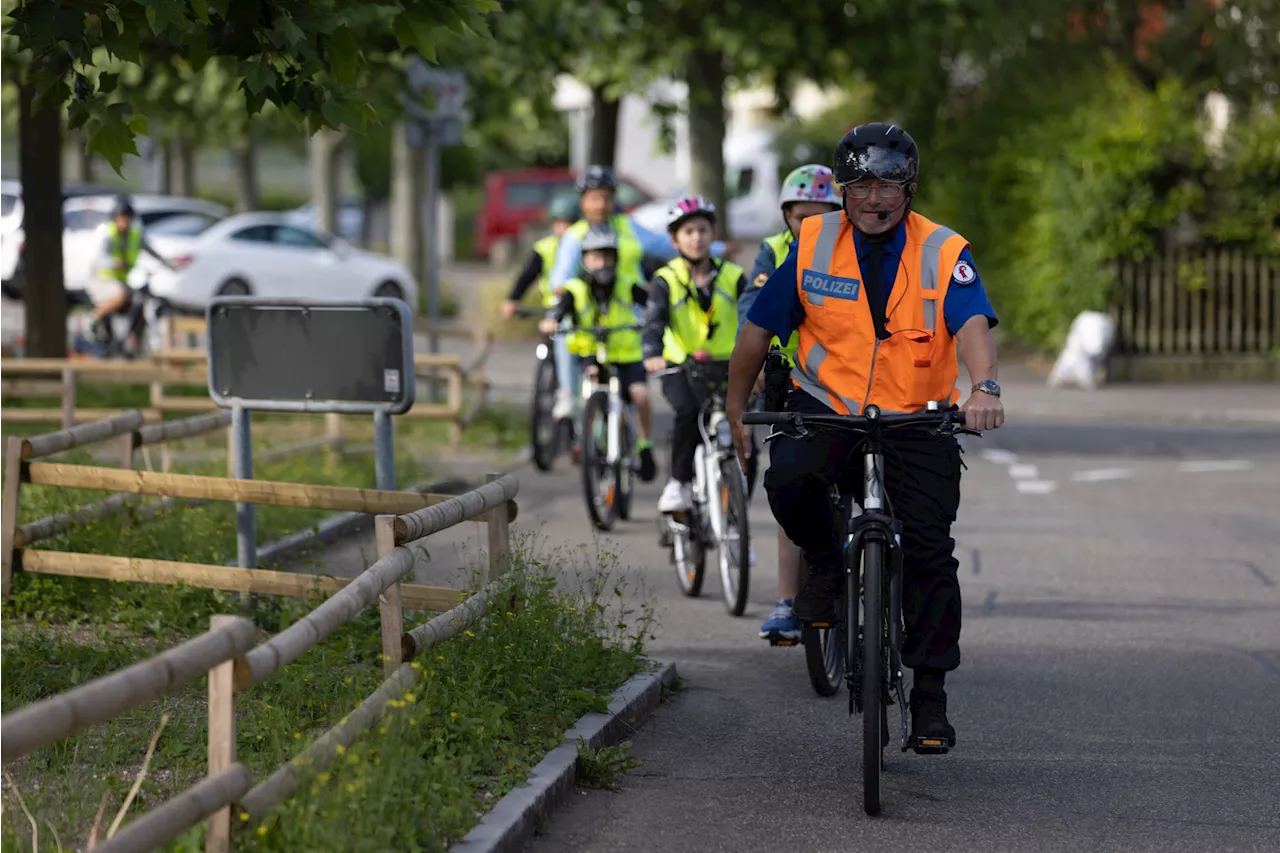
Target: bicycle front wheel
<point x="625" y="471"/>
<point x="872" y="674"/>
<point x="735" y="537"/>
<point x="545" y="439"/>
<point x="599" y="478"/>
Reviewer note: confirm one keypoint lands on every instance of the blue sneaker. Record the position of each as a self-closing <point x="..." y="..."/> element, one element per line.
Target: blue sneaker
<point x="781" y="624"/>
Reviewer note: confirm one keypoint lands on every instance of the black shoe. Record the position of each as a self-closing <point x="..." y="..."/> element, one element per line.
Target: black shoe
<point x="817" y="600"/>
<point x="648" y="468"/>
<point x="931" y="734"/>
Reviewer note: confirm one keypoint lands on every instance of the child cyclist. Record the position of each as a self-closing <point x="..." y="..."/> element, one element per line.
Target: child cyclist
<point x="563" y="212"/>
<point x="602" y="296"/>
<point x="807" y="191"/>
<point x="693" y="306"/>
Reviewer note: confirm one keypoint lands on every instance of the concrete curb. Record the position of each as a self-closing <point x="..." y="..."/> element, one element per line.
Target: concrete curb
<point x="510" y="823"/>
<point x="311" y="541"/>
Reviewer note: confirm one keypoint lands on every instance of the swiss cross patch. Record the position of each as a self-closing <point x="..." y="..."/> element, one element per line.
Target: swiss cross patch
<point x="761" y="279"/>
<point x="963" y="273"/>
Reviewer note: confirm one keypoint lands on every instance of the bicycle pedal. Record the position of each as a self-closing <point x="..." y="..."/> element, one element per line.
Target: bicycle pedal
<point x="775" y="640"/>
<point x="929" y="745"/>
<point x="821" y="624"/>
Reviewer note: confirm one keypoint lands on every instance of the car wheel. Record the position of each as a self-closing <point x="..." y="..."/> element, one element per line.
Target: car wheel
<point x="234" y="287"/>
<point x="389" y="290"/>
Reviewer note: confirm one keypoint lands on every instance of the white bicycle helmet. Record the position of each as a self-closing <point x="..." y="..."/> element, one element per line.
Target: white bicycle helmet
<point x="811" y="182"/>
<point x="688" y="207"/>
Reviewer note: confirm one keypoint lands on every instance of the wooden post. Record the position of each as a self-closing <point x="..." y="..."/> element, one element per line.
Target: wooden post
<point x="390" y="604"/>
<point x="222" y="741"/>
<point x="499" y="538"/>
<point x="333" y="436"/>
<point x="9" y="509"/>
<point x="455" y="406"/>
<point x="68" y="398"/>
<point x="231" y="454"/>
<point x="128" y="443"/>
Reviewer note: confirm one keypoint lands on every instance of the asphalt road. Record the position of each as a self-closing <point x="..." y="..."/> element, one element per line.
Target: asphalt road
<point x="1119" y="688"/>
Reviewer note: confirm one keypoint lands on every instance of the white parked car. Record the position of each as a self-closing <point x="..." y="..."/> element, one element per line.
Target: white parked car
<point x="10" y="230"/>
<point x="261" y="254"/>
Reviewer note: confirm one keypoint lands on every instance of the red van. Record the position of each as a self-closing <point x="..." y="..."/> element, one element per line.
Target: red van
<point x="516" y="197"/>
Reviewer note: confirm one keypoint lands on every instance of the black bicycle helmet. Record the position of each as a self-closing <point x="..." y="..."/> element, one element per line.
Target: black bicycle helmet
<point x="600" y="238"/>
<point x="876" y="150"/>
<point x="597" y="178"/>
<point x="122" y="206"/>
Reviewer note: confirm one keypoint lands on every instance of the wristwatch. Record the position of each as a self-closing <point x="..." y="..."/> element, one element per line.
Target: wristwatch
<point x="987" y="386"/>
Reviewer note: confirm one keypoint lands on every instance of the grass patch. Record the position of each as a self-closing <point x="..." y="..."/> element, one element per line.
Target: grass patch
<point x="491" y="703"/>
<point x="602" y="768"/>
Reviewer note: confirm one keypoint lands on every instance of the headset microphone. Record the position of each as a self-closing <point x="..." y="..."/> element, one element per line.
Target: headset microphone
<point x="882" y="215"/>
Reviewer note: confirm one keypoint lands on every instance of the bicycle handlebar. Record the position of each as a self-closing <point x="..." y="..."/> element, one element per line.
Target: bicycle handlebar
<point x="872" y="418"/>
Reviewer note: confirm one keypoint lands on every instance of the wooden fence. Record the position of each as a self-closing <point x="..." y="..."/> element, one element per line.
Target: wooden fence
<point x="229" y="652"/>
<point x="187" y="367"/>
<point x="1207" y="307"/>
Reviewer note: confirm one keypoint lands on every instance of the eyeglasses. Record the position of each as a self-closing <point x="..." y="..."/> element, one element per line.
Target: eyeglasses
<point x="861" y="190"/>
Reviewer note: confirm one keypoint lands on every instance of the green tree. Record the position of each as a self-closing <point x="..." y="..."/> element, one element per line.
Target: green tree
<point x="305" y="56"/>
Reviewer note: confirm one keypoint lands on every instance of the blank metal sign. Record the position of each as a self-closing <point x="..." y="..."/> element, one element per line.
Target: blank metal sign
<point x="352" y="356"/>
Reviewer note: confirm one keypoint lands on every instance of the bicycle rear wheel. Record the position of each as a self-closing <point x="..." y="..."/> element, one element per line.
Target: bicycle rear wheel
<point x="873" y="709"/>
<point x="735" y="537"/>
<point x="599" y="478"/>
<point x="545" y="439"/>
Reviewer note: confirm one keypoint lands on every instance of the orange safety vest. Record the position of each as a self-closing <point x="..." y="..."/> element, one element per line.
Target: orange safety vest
<point x="839" y="361"/>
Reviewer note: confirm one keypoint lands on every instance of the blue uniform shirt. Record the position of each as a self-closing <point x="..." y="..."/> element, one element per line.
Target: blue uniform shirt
<point x="779" y="309"/>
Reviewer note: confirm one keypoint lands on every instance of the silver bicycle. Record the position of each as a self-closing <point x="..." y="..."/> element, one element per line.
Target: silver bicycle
<point x="717" y="519"/>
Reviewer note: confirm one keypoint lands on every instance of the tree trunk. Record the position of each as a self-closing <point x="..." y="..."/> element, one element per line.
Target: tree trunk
<point x="81" y="162"/>
<point x="326" y="159"/>
<point x="246" y="170"/>
<point x="604" y="128"/>
<point x="182" y="167"/>
<point x="705" y="77"/>
<point x="408" y="183"/>
<point x="40" y="166"/>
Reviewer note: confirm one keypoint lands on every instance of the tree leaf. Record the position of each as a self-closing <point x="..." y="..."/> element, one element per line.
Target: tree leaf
<point x="286" y="33"/>
<point x="258" y="77"/>
<point x="77" y="115"/>
<point x="139" y="125"/>
<point x="107" y="83"/>
<point x="417" y="33"/>
<point x="200" y="8"/>
<point x="111" y="139"/>
<point x="344" y="55"/>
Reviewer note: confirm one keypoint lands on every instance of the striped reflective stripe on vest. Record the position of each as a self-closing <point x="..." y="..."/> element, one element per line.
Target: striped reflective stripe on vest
<point x="930" y="252"/>
<point x="825" y="249"/>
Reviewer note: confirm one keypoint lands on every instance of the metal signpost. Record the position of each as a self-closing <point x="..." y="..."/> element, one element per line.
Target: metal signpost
<point x="350" y="357"/>
<point x="442" y="125"/>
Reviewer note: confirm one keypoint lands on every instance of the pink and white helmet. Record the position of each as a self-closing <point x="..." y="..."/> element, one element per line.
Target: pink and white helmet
<point x="689" y="206"/>
<point x="809" y="183"/>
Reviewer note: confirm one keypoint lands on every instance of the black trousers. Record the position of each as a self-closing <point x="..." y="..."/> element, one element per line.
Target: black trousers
<point x="685" y="434"/>
<point x="922" y="482"/>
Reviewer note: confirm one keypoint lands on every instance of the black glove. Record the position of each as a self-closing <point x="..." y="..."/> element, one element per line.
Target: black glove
<point x="777" y="380"/>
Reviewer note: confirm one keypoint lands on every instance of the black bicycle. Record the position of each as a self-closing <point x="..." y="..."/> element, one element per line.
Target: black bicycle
<point x="549" y="435"/>
<point x="869" y="620"/>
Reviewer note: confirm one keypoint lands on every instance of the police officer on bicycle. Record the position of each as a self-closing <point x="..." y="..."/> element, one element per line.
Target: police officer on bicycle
<point x="879" y="296"/>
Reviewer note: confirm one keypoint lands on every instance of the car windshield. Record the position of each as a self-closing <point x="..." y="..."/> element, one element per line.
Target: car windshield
<point x="181" y="225"/>
<point x="7" y="204"/>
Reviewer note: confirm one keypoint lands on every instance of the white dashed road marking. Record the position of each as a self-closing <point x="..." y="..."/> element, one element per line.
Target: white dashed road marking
<point x="1024" y="472"/>
<point x="1036" y="487"/>
<point x="1209" y="465"/>
<point x="1098" y="475"/>
<point x="998" y="456"/>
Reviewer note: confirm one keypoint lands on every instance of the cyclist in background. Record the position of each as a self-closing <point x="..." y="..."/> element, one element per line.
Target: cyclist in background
<point x="808" y="191"/>
<point x="563" y="212"/>
<point x="693" y="307"/>
<point x="603" y="296"/>
<point x="597" y="189"/>
<point x="122" y="244"/>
